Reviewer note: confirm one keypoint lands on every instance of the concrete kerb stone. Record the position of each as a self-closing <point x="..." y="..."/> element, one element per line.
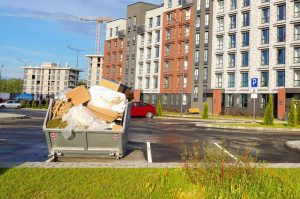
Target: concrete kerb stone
<point x="10" y="116"/>
<point x="294" y="145"/>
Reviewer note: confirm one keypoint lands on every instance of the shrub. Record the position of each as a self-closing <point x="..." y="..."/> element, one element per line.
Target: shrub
<point x="28" y="105"/>
<point x="205" y="111"/>
<point x="269" y="115"/>
<point x="40" y="104"/>
<point x="298" y="113"/>
<point x="47" y="104"/>
<point x="33" y="104"/>
<point x="159" y="109"/>
<point x="23" y="104"/>
<point x="292" y="120"/>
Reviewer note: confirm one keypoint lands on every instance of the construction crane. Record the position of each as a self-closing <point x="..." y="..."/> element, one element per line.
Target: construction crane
<point x="44" y="16"/>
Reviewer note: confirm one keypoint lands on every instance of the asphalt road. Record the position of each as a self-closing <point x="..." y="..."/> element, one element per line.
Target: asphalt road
<point x="23" y="140"/>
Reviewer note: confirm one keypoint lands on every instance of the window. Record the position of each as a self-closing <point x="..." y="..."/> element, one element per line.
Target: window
<point x="157" y="36"/>
<point x="297" y="9"/>
<point x="110" y="32"/>
<point x="297" y="32"/>
<point x="117" y="31"/>
<point x="245" y="59"/>
<point x="179" y="2"/>
<point x="263" y="100"/>
<point x="232" y="22"/>
<point x="169" y="17"/>
<point x="220" y="24"/>
<point x="232" y="41"/>
<point x="169" y="3"/>
<point x="129" y="22"/>
<point x="197" y="56"/>
<point x="206" y="19"/>
<point x="185" y="64"/>
<point x="198" y="22"/>
<point x="207" y="3"/>
<point x="198" y="4"/>
<point x="233" y="4"/>
<point x="168" y="50"/>
<point x="134" y="21"/>
<point x="150" y="22"/>
<point x="185" y="80"/>
<point x="245" y="80"/>
<point x="265" y="57"/>
<point x="155" y="82"/>
<point x="264" y="79"/>
<point x="148" y="68"/>
<point x="158" y="20"/>
<point x="219" y="80"/>
<point x="166" y="82"/>
<point x="196" y="89"/>
<point x="231" y="80"/>
<point x="147" y="82"/>
<point x="197" y="38"/>
<point x="280" y="78"/>
<point x="219" y="61"/>
<point x="281" y="34"/>
<point x="187" y="30"/>
<point x="221" y="6"/>
<point x="167" y="66"/>
<point x="229" y="100"/>
<point x="196" y="75"/>
<point x="220" y="43"/>
<point x="168" y="34"/>
<point x="205" y="56"/>
<point x="156" y="67"/>
<point x="297" y="55"/>
<point x="184" y="100"/>
<point x="265" y="36"/>
<point x="281" y="56"/>
<point x="206" y="35"/>
<point x="156" y="52"/>
<point x="265" y="18"/>
<point x="231" y="60"/>
<point x="297" y="78"/>
<point x="281" y="12"/>
<point x="246" y="3"/>
<point x="205" y="74"/>
<point x="243" y="100"/>
<point x="187" y="14"/>
<point x="246" y="39"/>
<point x="246" y="19"/>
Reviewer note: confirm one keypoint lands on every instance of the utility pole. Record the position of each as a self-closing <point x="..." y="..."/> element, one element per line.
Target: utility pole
<point x="1" y="76"/>
<point x="77" y="52"/>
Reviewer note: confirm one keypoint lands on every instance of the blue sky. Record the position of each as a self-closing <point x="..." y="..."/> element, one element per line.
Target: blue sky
<point x="41" y="40"/>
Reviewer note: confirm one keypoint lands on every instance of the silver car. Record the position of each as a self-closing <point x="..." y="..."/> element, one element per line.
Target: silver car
<point x="11" y="104"/>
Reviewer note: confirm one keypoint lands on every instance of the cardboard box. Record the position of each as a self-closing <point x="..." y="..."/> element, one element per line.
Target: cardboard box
<point x="117" y="128"/>
<point x="104" y="114"/>
<point x="117" y="87"/>
<point x="78" y="95"/>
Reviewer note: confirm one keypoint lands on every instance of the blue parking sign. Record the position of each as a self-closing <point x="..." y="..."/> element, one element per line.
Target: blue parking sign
<point x="254" y="82"/>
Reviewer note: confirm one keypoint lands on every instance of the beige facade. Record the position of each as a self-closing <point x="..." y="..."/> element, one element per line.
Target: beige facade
<point x="95" y="67"/>
<point x="49" y="79"/>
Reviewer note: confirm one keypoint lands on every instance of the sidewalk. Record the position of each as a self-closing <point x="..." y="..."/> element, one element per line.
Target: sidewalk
<point x="10" y="116"/>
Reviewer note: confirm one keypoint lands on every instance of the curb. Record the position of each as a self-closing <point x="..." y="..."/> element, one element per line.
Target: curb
<point x="128" y="165"/>
<point x="14" y="117"/>
<point x="250" y="128"/>
<point x="293" y="145"/>
<point x="30" y="109"/>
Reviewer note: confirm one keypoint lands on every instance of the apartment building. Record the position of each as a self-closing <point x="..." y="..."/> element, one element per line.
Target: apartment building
<point x="255" y="39"/>
<point x="95" y="67"/>
<point x="177" y="59"/>
<point x="148" y="57"/>
<point x="135" y="24"/>
<point x="114" y="51"/>
<point x="49" y="79"/>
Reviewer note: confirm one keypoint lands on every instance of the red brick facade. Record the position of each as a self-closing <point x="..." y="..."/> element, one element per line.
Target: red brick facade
<point x="217" y="102"/>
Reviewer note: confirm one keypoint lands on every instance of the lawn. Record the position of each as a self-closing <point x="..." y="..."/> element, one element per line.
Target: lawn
<point x="139" y="183"/>
<point x="259" y="124"/>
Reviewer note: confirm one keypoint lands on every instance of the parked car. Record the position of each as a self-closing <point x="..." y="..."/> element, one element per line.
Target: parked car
<point x="142" y="109"/>
<point x="11" y="104"/>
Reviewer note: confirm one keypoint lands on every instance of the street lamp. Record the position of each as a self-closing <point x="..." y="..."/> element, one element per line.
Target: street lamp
<point x="184" y="60"/>
<point x="0" y="75"/>
<point x="25" y="62"/>
<point x="77" y="51"/>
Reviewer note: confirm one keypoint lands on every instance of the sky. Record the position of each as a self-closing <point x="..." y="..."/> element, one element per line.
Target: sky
<point x="45" y="40"/>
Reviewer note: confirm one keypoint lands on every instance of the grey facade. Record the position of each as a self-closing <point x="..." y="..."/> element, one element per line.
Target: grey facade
<point x="201" y="78"/>
<point x="135" y="22"/>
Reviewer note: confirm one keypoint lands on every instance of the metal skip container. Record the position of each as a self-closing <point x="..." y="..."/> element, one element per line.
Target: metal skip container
<point x="87" y="143"/>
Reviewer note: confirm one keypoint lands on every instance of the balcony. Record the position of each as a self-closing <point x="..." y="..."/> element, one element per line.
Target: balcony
<point x="141" y="29"/>
<point x="187" y="3"/>
<point x="121" y="34"/>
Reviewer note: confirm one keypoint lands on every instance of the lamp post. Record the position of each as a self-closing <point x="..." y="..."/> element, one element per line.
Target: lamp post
<point x="77" y="53"/>
<point x="25" y="62"/>
<point x="184" y="60"/>
<point x="1" y="76"/>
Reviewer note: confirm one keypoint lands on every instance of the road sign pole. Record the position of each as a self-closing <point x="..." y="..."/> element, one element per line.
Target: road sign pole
<point x="253" y="109"/>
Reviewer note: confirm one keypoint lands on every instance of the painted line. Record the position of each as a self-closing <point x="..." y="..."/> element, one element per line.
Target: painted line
<point x="50" y="159"/>
<point x="149" y="155"/>
<point x="227" y="152"/>
<point x="3" y="140"/>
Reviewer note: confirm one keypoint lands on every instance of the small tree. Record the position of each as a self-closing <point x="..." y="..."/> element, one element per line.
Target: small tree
<point x="47" y="104"/>
<point x="269" y="115"/>
<point x="28" y="105"/>
<point x="40" y="104"/>
<point x="298" y="113"/>
<point x="159" y="109"/>
<point x="292" y="120"/>
<point x="33" y="104"/>
<point x="205" y="111"/>
<point x="23" y="103"/>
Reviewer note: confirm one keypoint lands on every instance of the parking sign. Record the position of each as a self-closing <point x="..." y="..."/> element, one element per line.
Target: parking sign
<point x="254" y="82"/>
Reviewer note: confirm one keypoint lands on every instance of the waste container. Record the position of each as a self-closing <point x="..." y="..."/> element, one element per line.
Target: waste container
<point x="87" y="143"/>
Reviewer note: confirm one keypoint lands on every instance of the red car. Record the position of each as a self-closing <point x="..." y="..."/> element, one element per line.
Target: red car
<point x="142" y="109"/>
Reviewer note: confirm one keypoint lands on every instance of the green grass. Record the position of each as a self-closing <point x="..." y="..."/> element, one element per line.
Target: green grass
<point x="259" y="124"/>
<point x="139" y="183"/>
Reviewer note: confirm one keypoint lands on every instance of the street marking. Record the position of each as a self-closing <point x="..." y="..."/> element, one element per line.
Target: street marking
<point x="3" y="140"/>
<point x="149" y="155"/>
<point x="227" y="152"/>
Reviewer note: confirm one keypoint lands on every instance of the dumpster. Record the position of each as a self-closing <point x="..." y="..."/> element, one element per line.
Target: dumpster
<point x="87" y="143"/>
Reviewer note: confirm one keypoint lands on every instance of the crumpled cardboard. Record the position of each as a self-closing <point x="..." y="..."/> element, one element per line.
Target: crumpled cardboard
<point x="78" y="95"/>
<point x="103" y="113"/>
<point x="117" y="87"/>
<point x="117" y="128"/>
